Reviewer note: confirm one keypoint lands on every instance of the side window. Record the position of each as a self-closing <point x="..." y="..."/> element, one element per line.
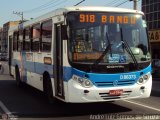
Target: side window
<point x="20" y="40"/>
<point x="36" y="30"/>
<point x="27" y="40"/>
<point x="46" y="35"/>
<point x="15" y="35"/>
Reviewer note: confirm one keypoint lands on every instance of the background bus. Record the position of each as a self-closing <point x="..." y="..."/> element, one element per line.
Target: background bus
<point x="83" y="54"/>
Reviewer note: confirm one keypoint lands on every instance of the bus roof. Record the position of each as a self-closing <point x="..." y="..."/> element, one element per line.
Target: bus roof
<point x="102" y="9"/>
<point x="65" y="10"/>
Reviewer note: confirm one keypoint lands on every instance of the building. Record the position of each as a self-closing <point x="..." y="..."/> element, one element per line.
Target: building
<point x="4" y="40"/>
<point x="1" y="37"/>
<point x="151" y="9"/>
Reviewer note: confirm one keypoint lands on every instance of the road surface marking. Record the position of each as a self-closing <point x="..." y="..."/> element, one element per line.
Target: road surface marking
<point x="7" y="112"/>
<point x="4" y="108"/>
<point x="143" y="105"/>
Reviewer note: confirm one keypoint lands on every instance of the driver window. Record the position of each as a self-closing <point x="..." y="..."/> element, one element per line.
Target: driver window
<point x="135" y="37"/>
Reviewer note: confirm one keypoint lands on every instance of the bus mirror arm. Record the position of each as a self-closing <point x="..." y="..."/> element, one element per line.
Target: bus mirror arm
<point x="64" y="34"/>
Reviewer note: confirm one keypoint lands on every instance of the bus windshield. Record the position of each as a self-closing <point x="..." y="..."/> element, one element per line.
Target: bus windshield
<point x="90" y="33"/>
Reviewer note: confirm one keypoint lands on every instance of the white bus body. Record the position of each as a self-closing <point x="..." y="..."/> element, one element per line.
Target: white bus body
<point x="41" y="68"/>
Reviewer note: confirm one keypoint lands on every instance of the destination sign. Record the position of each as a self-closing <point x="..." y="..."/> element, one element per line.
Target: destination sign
<point x="86" y="56"/>
<point x="102" y="18"/>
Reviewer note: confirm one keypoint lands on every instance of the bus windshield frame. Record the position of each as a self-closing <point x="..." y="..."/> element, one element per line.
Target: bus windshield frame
<point x="88" y="39"/>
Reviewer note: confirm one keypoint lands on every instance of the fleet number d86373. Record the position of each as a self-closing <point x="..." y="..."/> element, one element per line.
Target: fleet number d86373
<point x="128" y="77"/>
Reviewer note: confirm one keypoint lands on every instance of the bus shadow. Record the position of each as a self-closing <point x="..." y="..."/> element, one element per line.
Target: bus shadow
<point x="155" y="93"/>
<point x="28" y="102"/>
<point x="155" y="88"/>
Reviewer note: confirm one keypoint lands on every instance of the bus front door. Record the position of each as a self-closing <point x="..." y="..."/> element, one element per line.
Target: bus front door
<point x="58" y="63"/>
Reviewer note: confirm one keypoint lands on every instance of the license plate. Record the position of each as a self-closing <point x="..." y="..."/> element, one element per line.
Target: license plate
<point x="115" y="92"/>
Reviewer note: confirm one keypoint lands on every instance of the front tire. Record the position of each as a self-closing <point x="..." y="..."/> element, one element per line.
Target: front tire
<point x="48" y="91"/>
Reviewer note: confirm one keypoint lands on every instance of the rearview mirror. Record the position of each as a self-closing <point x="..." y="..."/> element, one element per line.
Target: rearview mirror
<point x="136" y="51"/>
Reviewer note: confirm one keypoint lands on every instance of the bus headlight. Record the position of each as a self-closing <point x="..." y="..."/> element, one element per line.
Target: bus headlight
<point x="140" y="81"/>
<point x="85" y="82"/>
<point x="143" y="79"/>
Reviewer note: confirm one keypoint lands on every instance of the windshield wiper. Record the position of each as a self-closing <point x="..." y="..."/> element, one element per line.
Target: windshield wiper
<point x="103" y="54"/>
<point x="128" y="49"/>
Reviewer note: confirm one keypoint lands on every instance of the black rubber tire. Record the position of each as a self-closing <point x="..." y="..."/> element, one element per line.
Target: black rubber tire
<point x="48" y="89"/>
<point x="1" y="69"/>
<point x="18" y="79"/>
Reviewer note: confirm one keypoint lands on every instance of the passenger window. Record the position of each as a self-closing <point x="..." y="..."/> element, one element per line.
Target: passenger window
<point x="46" y="35"/>
<point x="36" y="37"/>
<point x="27" y="41"/>
<point x="15" y="38"/>
<point x="20" y="40"/>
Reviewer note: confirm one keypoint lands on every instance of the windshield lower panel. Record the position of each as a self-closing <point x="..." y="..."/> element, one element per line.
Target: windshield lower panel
<point x="90" y="34"/>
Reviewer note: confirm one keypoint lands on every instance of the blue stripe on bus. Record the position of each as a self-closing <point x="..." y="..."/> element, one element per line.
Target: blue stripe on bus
<point x="107" y="79"/>
<point x="39" y="68"/>
<point x="96" y="78"/>
<point x="34" y="67"/>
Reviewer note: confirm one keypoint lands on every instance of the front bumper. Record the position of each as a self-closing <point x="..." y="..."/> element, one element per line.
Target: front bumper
<point x="76" y="92"/>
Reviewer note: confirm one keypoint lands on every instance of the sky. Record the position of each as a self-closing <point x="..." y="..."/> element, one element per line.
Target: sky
<point x="35" y="8"/>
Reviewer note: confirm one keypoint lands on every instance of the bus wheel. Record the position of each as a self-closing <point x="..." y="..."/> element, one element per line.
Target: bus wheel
<point x="48" y="89"/>
<point x="18" y="80"/>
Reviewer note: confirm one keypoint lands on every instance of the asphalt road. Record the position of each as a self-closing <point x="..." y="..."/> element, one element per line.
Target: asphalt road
<point x="28" y="103"/>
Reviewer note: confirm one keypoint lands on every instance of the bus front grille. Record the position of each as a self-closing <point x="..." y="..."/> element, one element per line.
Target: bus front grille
<point x="113" y="83"/>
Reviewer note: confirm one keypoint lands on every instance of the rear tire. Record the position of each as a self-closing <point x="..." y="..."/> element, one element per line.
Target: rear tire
<point x="18" y="79"/>
<point x="1" y="69"/>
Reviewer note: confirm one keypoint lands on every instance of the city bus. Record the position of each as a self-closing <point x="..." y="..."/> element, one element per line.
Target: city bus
<point x="83" y="54"/>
